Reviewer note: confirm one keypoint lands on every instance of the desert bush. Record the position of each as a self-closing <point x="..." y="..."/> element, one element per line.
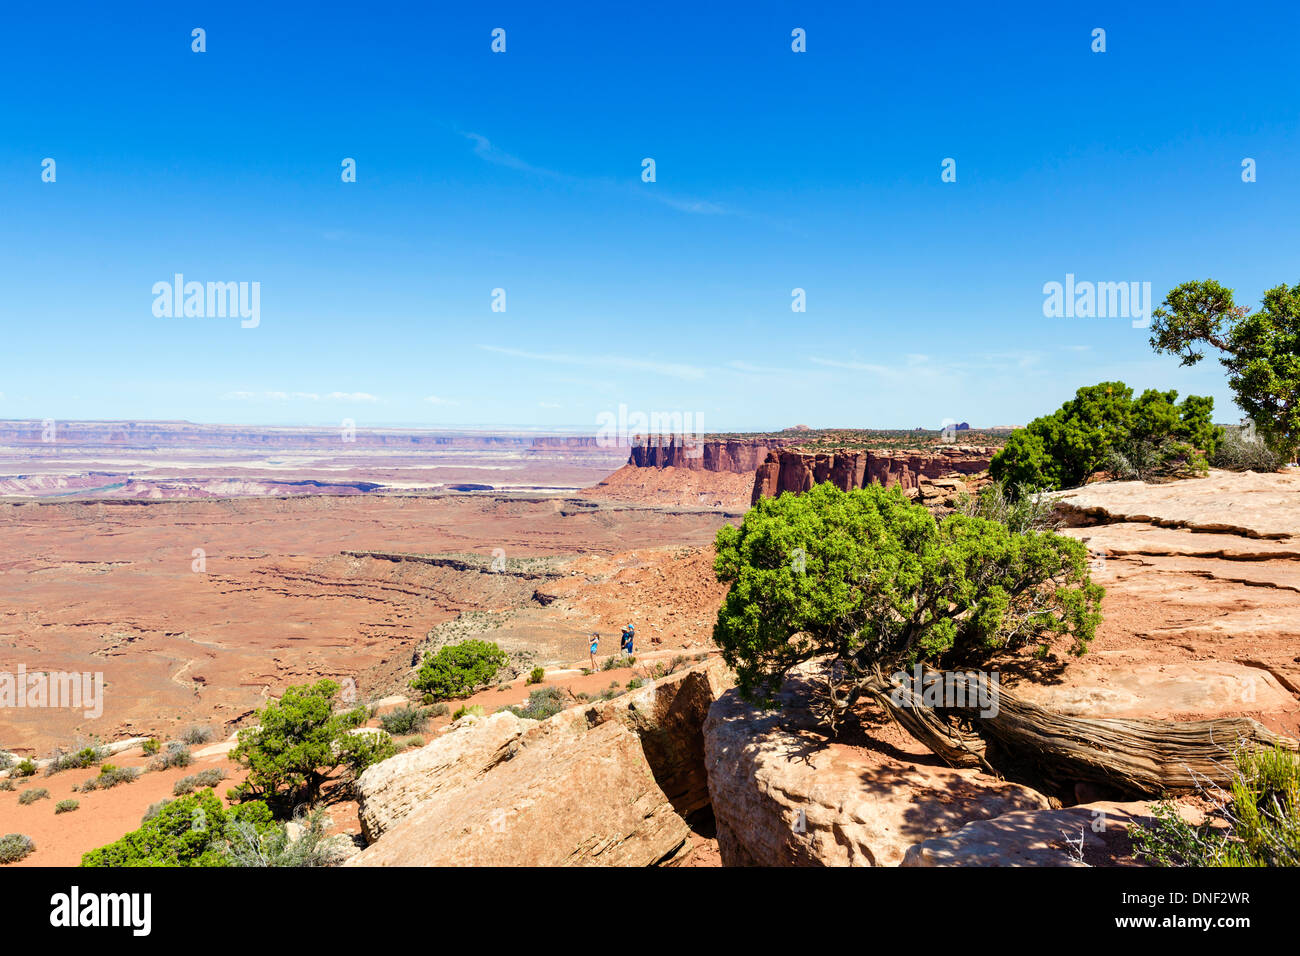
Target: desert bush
<point x="542" y="703"/>
<point x="614" y="663"/>
<point x="635" y="683"/>
<point x="66" y="806"/>
<point x="459" y="669"/>
<point x="6" y="784"/>
<point x="154" y="809"/>
<point x="438" y="710"/>
<point x="196" y="735"/>
<point x="190" y="831"/>
<point x="150" y="747"/>
<point x="467" y="710"/>
<point x="1256" y="822"/>
<point x="78" y="760"/>
<point x="32" y="795"/>
<point x="1020" y="510"/>
<point x="24" y="768"/>
<point x="6" y="760"/>
<point x="1239" y="452"/>
<point x="175" y="754"/>
<point x="109" y="777"/>
<point x="1064" y="449"/>
<point x="536" y="675"/>
<point x="405" y="720"/>
<point x="883" y="584"/>
<point x="250" y="846"/>
<point x="202" y="780"/>
<point x="15" y="846"/>
<point x="299" y="742"/>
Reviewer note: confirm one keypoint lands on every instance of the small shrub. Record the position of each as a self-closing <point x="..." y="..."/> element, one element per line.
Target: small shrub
<point x="150" y="747"/>
<point x="175" y="754"/>
<point x="32" y="795"/>
<point x="15" y="846"/>
<point x="196" y="735"/>
<point x="614" y="663"/>
<point x="439" y="710"/>
<point x="467" y="710"/>
<point x="80" y="760"/>
<point x="202" y="780"/>
<point x="6" y="784"/>
<point x="543" y="703"/>
<point x="24" y="768"/>
<point x="109" y="777"/>
<point x="536" y="676"/>
<point x="459" y="669"/>
<point x="66" y="806"/>
<point x="6" y="760"/>
<point x="634" y="683"/>
<point x="153" y="811"/>
<point x="404" y="720"/>
<point x="1256" y="822"/>
<point x="1238" y="452"/>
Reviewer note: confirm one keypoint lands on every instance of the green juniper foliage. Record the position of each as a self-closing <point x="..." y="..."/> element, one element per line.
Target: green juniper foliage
<point x="299" y="742"/>
<point x="1103" y="425"/>
<point x="1260" y="350"/>
<point x="459" y="669"/>
<point x="878" y="582"/>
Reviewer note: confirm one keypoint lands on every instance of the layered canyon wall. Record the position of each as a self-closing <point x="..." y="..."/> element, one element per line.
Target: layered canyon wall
<point x="778" y="468"/>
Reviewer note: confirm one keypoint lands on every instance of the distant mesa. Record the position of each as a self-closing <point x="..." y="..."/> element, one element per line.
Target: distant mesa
<point x="797" y="428"/>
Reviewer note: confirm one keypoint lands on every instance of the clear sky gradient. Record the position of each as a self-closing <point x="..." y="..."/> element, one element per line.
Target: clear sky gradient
<point x="522" y="171"/>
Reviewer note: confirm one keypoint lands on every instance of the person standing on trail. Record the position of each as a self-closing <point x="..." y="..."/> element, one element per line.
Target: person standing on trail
<point x="595" y="643"/>
<point x="629" y="632"/>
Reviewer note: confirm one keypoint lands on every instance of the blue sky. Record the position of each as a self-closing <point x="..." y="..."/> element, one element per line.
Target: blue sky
<point x="522" y="171"/>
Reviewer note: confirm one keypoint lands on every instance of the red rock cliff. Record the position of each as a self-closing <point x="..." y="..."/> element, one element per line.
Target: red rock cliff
<point x="798" y="471"/>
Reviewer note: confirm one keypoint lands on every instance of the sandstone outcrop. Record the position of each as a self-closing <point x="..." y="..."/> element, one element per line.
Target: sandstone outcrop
<point x="785" y="795"/>
<point x="1202" y="581"/>
<point x="605" y="783"/>
<point x="668" y="715"/>
<point x="563" y="797"/>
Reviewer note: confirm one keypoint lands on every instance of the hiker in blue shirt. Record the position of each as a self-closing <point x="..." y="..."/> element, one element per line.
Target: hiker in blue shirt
<point x="595" y="643"/>
<point x="629" y="632"/>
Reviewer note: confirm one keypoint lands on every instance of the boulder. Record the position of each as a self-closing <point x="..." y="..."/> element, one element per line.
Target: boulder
<point x="785" y="795"/>
<point x="565" y="796"/>
<point x="389" y="791"/>
<point x="668" y="715"/>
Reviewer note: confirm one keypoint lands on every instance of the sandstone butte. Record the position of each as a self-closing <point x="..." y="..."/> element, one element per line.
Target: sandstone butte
<point x="933" y="473"/>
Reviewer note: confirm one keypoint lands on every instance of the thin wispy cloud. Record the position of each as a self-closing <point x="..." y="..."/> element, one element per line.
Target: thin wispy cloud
<point x="276" y="396"/>
<point x="486" y="151"/>
<point x="669" y="369"/>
